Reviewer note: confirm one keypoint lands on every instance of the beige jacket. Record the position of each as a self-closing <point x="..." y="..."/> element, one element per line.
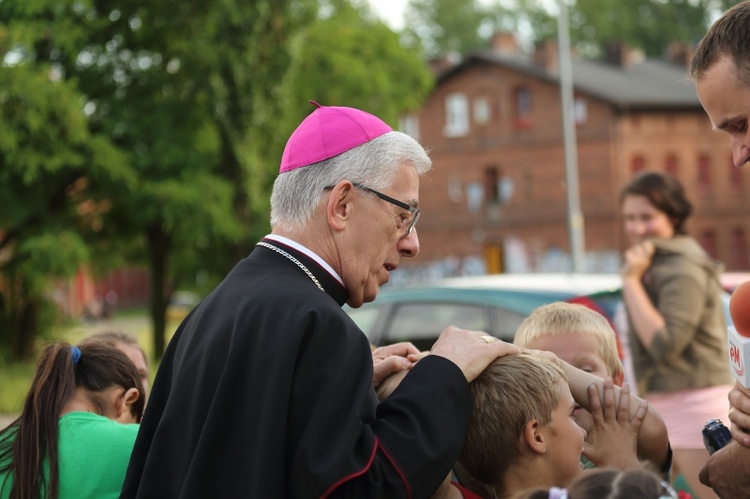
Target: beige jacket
<point x="690" y="351"/>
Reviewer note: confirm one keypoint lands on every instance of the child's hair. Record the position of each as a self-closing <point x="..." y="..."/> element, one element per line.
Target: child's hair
<point x="33" y="437"/>
<point x="608" y="483"/>
<point x="512" y="390"/>
<point x="113" y="338"/>
<point x="562" y="318"/>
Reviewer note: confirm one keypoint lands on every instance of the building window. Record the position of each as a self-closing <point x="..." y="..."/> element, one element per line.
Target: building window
<point x="708" y="241"/>
<point x="522" y="100"/>
<point x="491" y="185"/>
<point x="704" y="173"/>
<point x="739" y="247"/>
<point x="672" y="165"/>
<point x="735" y="177"/>
<point x="481" y="111"/>
<point x="637" y="164"/>
<point x="580" y="111"/>
<point x="474" y="196"/>
<point x="409" y="124"/>
<point x="456" y="115"/>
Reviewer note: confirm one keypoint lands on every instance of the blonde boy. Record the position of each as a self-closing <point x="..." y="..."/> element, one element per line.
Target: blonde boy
<point x="521" y="434"/>
<point x="584" y="339"/>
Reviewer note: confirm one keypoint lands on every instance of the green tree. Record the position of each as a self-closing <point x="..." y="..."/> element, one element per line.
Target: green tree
<point x="185" y="90"/>
<point x="443" y="27"/>
<point x="350" y="59"/>
<point x="648" y="24"/>
<point x="49" y="161"/>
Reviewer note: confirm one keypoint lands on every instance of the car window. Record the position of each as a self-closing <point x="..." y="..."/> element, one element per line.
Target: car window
<point x="421" y="323"/>
<point x="505" y="323"/>
<point x="364" y="318"/>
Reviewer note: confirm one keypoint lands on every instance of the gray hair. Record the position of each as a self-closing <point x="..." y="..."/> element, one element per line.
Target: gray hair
<point x="375" y="164"/>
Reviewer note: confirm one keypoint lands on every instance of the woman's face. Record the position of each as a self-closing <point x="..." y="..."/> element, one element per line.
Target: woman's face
<point x="643" y="221"/>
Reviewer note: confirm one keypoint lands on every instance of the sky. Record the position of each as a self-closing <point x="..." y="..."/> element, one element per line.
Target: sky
<point x="391" y="11"/>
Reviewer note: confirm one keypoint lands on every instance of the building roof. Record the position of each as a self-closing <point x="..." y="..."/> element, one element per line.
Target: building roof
<point x="645" y="84"/>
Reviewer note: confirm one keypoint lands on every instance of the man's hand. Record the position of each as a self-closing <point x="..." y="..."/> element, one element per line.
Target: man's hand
<point x="728" y="471"/>
<point x="391" y="359"/>
<point x="614" y="439"/>
<point x="739" y="414"/>
<point x="471" y="351"/>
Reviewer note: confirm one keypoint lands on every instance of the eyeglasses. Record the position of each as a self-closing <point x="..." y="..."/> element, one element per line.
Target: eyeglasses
<point x="404" y="206"/>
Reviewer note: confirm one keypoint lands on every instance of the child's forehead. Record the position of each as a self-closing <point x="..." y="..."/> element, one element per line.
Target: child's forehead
<point x="577" y="339"/>
<point x="565" y="397"/>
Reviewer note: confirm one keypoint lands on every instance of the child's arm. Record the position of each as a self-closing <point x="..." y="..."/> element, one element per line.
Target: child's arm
<point x="653" y="443"/>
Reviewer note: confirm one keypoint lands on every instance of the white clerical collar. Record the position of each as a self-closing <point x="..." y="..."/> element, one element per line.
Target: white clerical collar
<point x="306" y="251"/>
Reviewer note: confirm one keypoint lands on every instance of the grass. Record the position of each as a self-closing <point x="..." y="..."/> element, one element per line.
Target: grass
<point x="16" y="377"/>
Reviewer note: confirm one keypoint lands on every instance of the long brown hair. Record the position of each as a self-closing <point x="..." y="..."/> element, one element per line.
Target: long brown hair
<point x="33" y="437"/>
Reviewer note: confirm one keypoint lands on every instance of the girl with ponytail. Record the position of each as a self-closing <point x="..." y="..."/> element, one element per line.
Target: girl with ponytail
<point x="67" y="442"/>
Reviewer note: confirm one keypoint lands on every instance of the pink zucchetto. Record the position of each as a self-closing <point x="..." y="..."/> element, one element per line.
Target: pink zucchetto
<point x="327" y="132"/>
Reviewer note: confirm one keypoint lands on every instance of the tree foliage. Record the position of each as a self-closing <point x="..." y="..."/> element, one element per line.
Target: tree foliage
<point x="362" y="66"/>
<point x="49" y="159"/>
<point x="149" y="132"/>
<point x="178" y="92"/>
<point x="648" y="24"/>
<point x="445" y="26"/>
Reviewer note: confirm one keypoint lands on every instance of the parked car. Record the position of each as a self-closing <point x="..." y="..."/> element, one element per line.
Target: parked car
<point x="495" y="303"/>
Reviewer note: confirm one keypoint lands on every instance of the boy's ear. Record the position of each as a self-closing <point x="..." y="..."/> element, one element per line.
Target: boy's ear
<point x="533" y="437"/>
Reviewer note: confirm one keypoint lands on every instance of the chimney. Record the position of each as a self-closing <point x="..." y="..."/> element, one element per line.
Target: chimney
<point x="680" y="53"/>
<point x="621" y="54"/>
<point x="504" y="43"/>
<point x="546" y="56"/>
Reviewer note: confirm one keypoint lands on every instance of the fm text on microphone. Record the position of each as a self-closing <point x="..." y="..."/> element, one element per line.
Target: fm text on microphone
<point x="738" y="334"/>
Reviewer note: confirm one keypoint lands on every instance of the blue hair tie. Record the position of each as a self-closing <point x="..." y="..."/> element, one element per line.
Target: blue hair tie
<point x="76" y="354"/>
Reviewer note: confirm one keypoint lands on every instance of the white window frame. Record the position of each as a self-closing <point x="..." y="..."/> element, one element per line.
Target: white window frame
<point x="456" y="115"/>
<point x="409" y="124"/>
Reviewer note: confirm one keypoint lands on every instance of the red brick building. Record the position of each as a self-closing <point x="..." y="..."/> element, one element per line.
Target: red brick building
<point x="497" y="195"/>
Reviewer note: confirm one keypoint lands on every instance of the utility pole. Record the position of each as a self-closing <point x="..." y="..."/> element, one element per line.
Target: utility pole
<point x="575" y="217"/>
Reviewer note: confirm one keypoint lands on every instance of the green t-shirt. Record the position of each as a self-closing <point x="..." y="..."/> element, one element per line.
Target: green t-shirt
<point x="93" y="452"/>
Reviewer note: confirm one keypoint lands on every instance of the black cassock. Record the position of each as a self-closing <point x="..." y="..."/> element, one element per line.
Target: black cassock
<point x="266" y="391"/>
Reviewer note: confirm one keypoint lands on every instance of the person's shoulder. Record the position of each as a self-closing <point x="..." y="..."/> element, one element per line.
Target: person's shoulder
<point x="95" y="425"/>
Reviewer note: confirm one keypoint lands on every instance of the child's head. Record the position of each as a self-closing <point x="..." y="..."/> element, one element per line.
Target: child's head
<point x="575" y="333"/>
<point x="610" y="483"/>
<point x="129" y="345"/>
<point x="522" y="409"/>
